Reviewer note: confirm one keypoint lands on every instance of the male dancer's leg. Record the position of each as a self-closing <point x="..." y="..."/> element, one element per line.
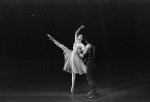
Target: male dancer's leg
<point x="90" y="72"/>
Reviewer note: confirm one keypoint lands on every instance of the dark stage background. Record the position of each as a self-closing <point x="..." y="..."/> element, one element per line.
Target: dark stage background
<point x="118" y="28"/>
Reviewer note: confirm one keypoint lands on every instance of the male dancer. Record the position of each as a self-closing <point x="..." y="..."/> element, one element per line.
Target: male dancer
<point x="88" y="56"/>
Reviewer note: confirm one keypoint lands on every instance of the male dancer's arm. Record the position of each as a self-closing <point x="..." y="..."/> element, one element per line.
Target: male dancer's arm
<point x="86" y="49"/>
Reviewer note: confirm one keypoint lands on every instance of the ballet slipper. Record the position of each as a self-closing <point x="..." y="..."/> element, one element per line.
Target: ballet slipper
<point x="72" y="90"/>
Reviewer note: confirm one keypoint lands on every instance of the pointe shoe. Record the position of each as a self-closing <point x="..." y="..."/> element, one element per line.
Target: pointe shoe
<point x="50" y="37"/>
<point x="72" y="90"/>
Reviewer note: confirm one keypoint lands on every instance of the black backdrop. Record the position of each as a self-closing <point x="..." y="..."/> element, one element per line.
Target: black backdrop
<point x="118" y="28"/>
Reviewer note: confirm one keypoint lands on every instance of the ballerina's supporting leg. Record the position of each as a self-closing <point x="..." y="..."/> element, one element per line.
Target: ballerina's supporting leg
<point x="73" y="82"/>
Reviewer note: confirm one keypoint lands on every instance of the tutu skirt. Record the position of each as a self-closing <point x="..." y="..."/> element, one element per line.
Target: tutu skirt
<point x="73" y="63"/>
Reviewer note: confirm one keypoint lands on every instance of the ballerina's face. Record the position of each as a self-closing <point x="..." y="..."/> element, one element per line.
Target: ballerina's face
<point x="80" y="37"/>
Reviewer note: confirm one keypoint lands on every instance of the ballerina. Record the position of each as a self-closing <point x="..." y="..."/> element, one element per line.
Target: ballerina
<point x="73" y="63"/>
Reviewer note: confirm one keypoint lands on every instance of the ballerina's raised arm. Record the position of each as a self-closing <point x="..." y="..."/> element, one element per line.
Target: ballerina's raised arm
<point x="77" y="32"/>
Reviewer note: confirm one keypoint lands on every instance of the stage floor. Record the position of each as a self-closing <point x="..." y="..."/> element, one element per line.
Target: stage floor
<point x="127" y="92"/>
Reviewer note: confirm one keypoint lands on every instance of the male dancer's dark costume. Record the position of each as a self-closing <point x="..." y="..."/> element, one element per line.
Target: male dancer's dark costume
<point x="88" y="57"/>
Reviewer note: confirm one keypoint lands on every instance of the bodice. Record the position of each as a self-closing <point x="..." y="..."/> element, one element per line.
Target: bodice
<point x="78" y="47"/>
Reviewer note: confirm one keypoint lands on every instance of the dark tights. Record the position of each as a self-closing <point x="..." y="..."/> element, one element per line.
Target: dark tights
<point x="90" y="72"/>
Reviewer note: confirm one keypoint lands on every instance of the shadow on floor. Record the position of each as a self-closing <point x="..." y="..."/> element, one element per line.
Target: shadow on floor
<point x="104" y="92"/>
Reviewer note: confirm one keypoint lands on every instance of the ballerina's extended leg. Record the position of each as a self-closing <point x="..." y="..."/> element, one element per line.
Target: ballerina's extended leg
<point x="57" y="43"/>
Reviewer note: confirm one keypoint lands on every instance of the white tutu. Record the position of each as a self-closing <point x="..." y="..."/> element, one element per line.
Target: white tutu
<point x="72" y="61"/>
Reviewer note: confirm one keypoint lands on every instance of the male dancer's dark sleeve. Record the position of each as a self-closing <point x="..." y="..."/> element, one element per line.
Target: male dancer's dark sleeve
<point x="86" y="49"/>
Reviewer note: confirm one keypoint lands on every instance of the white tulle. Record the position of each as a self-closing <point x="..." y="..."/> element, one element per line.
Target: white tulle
<point x="73" y="63"/>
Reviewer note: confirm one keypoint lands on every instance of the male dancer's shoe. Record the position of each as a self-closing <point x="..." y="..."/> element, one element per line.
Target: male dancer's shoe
<point x="92" y="96"/>
<point x="89" y="93"/>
